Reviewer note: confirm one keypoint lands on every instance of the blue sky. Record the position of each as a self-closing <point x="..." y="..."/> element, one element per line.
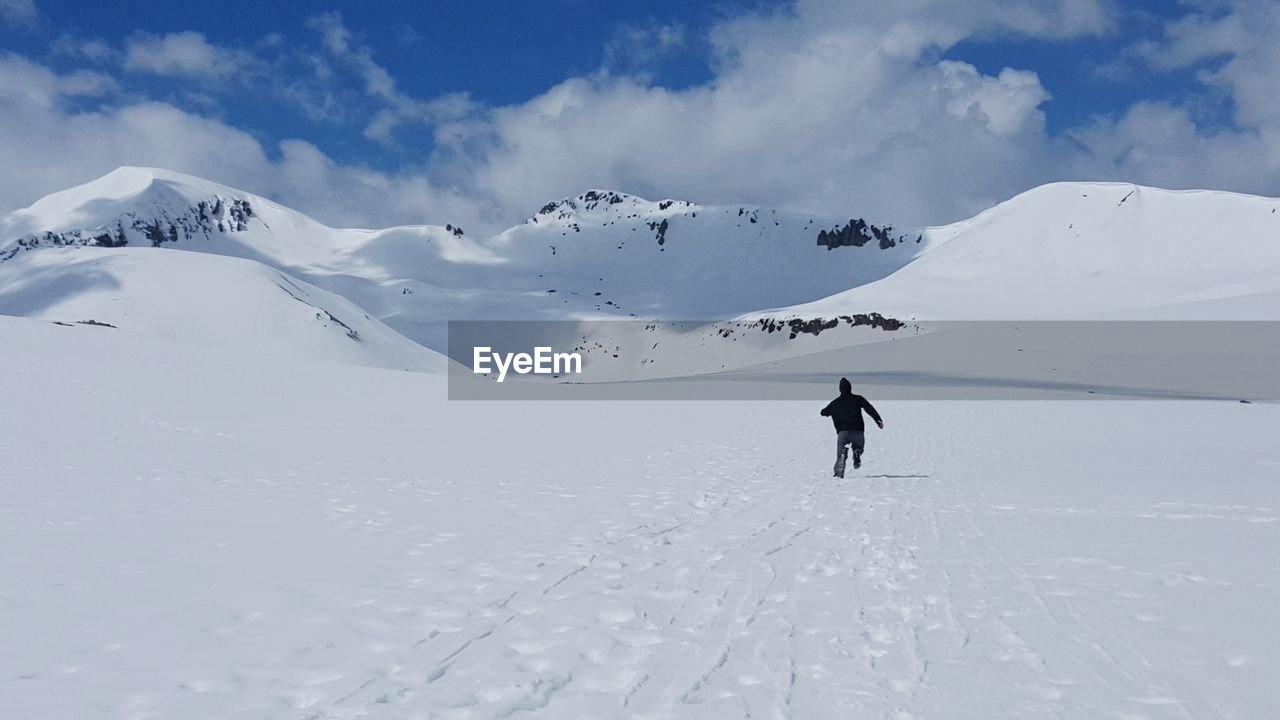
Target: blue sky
<point x="498" y="52"/>
<point x="373" y="113"/>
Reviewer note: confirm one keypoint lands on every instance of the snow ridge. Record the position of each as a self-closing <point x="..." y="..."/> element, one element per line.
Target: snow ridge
<point x="159" y="226"/>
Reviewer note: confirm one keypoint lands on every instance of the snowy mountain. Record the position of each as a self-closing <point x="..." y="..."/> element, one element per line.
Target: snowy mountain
<point x="600" y="254"/>
<point x="1062" y="251"/>
<point x="1085" y="251"/>
<point x="1066" y="251"/>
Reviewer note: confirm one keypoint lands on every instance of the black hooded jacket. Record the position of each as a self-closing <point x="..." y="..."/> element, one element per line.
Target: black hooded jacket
<point x="846" y="411"/>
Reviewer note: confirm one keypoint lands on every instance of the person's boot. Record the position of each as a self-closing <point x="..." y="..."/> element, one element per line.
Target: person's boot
<point x="857" y="459"/>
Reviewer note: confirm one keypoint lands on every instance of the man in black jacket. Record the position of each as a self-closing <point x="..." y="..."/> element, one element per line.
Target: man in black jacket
<point x="846" y="413"/>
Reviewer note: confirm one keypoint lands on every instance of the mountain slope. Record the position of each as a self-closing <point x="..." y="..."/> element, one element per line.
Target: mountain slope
<point x="1088" y="250"/>
<point x="202" y="299"/>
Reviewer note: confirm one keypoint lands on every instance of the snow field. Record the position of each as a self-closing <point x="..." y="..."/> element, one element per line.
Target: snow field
<point x="241" y="537"/>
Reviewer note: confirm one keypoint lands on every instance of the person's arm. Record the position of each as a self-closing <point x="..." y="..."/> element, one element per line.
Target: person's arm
<point x="866" y="405"/>
<point x="826" y="411"/>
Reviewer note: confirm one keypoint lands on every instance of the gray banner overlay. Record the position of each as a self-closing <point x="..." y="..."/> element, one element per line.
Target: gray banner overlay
<point x="792" y="360"/>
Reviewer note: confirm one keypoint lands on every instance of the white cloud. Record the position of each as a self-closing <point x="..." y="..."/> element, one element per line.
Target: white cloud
<point x="183" y="54"/>
<point x="48" y="147"/>
<point x="907" y="29"/>
<point x="1158" y="144"/>
<point x="838" y="107"/>
<point x="636" y="47"/>
<point x="396" y="108"/>
<point x="94" y="50"/>
<point x="1236" y="45"/>
<point x="827" y="106"/>
<point x="830" y="107"/>
<point x="1004" y="104"/>
<point x="18" y="12"/>
<point x="25" y="82"/>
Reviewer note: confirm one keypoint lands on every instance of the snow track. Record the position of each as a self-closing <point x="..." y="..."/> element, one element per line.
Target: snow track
<point x="741" y="602"/>
<point x="247" y="547"/>
<point x="772" y="591"/>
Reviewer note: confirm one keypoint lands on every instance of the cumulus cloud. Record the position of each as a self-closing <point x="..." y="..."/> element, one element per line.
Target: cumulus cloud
<point x="1242" y="36"/>
<point x="182" y="54"/>
<point x="827" y="106"/>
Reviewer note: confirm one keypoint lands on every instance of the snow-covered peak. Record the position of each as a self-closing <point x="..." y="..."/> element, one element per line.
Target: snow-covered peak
<point x="141" y="206"/>
<point x="597" y="203"/>
<point x="102" y="201"/>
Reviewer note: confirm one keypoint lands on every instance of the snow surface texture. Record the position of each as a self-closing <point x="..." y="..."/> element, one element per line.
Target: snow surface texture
<point x="289" y="539"/>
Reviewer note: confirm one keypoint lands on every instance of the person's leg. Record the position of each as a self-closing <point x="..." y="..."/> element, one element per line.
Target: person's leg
<point x="842" y="439"/>
<point x="858" y="441"/>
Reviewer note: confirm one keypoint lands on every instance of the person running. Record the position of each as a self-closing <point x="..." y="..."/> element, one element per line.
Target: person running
<point x="846" y="413"/>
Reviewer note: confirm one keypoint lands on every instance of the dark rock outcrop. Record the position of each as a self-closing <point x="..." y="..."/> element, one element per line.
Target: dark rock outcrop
<point x="815" y="326"/>
<point x="857" y="232"/>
